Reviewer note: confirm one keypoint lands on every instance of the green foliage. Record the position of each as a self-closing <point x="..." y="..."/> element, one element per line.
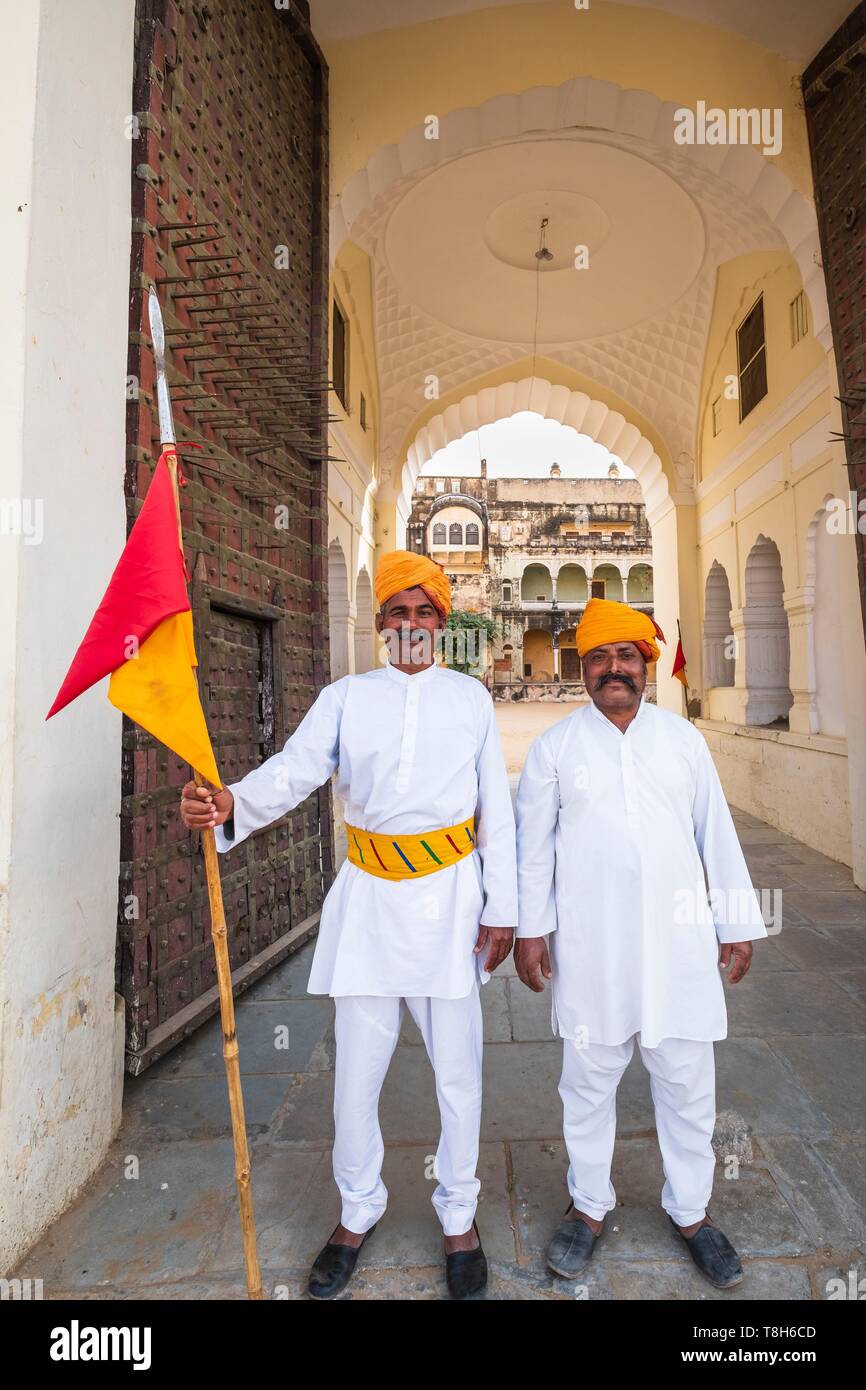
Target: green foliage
<point x="478" y="628"/>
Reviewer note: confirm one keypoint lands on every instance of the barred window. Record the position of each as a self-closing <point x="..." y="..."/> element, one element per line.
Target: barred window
<point x="752" y="359"/>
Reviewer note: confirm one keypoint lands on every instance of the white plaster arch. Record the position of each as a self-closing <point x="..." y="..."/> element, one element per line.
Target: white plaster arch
<point x="340" y="611"/>
<point x="591" y="104"/>
<point x="719" y="667"/>
<point x="364" y="629"/>
<point x="814" y="610"/>
<point x="574" y="408"/>
<point x="767" y="635"/>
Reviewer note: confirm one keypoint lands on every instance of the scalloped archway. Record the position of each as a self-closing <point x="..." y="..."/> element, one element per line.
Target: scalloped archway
<point x="670" y="513"/>
<point x="574" y="408"/>
<point x="589" y="104"/>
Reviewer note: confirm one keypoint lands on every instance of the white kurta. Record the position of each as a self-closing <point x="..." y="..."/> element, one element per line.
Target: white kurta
<point x="415" y="753"/>
<point x="614" y="833"/>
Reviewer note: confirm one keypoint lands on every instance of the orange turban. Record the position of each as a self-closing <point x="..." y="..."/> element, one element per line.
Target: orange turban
<point x="604" y="621"/>
<point x="401" y="569"/>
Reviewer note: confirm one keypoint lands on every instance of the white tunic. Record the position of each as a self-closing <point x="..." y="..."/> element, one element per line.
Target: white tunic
<point x="415" y="753"/>
<point x="614" y="833"/>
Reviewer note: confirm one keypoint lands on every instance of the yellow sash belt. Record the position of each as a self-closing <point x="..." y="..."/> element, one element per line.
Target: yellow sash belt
<point x="410" y="856"/>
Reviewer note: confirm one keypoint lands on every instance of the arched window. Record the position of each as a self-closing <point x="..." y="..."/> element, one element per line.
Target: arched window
<point x="768" y="645"/>
<point x="472" y="533"/>
<point x="439" y="533"/>
<point x="718" y="638"/>
<point x="455" y="533"/>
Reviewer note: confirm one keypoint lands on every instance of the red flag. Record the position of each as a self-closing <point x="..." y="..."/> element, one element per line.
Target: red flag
<point x="142" y="636"/>
<point x="679" y="670"/>
<point x="148" y="585"/>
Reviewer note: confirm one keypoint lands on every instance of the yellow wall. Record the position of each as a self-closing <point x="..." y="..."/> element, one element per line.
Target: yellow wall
<point x="351" y="281"/>
<point x="384" y="84"/>
<point x="776" y="276"/>
<point x="783" y="508"/>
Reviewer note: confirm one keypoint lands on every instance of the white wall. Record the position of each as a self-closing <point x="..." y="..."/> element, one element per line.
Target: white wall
<point x="830" y="660"/>
<point x="65" y="244"/>
<point x="795" y="782"/>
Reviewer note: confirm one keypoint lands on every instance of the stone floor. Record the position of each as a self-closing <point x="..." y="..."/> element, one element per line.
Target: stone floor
<point x="790" y="1084"/>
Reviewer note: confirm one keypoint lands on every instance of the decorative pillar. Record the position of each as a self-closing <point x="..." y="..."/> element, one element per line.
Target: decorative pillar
<point x="800" y="606"/>
<point x="767" y="660"/>
<point x="341" y="624"/>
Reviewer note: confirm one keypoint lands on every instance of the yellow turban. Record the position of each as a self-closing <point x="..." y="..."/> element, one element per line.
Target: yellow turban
<point x="604" y="621"/>
<point x="401" y="569"/>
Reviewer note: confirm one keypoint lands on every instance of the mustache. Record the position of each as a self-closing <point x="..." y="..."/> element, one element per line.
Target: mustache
<point x="615" y="676"/>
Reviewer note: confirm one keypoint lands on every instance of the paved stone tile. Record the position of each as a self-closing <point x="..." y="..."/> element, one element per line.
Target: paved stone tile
<point x="818" y="907"/>
<point x="846" y="1161"/>
<point x="763" y="1280"/>
<point x="520" y="1097"/>
<point x="767" y="955"/>
<point x="530" y="1013"/>
<point x="844" y="1283"/>
<point x="288" y="980"/>
<point x="306" y="1115"/>
<point x="769" y="876"/>
<point x="303" y="1028"/>
<point x="761" y="834"/>
<point x="822" y="876"/>
<point x="830" y="1072"/>
<point x="520" y="1090"/>
<point x="854" y="981"/>
<point x="811" y="948"/>
<point x="768" y="855"/>
<point x="774" y="1003"/>
<point x="135" y="1231"/>
<point x="507" y="969"/>
<point x="749" y="1209"/>
<point x="825" y="1184"/>
<point x="197" y="1107"/>
<point x="763" y="1088"/>
<point x="494" y="1007"/>
<point x="228" y="1287"/>
<point x="297" y="1207"/>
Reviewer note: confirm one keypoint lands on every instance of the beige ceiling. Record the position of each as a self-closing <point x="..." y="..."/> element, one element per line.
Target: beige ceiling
<point x="455" y="272"/>
<point x="796" y="29"/>
<point x="461" y="244"/>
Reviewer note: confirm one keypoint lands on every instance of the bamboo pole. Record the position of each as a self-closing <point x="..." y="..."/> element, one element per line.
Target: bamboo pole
<point x="219" y="931"/>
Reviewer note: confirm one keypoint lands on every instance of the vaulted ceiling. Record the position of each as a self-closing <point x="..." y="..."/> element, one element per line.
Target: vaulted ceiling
<point x="796" y="29"/>
<point x="459" y="292"/>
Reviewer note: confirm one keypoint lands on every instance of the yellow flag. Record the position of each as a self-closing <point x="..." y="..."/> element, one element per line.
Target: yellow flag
<point x="157" y="689"/>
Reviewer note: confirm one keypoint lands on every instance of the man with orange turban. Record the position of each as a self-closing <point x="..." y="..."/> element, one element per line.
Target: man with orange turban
<point x="630" y="868"/>
<point x="420" y="913"/>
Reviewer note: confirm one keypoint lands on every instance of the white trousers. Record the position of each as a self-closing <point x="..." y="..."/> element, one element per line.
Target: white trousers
<point x="683" y="1084"/>
<point x="367" y="1029"/>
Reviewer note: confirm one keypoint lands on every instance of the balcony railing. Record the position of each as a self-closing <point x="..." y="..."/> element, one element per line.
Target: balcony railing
<point x="559" y="544"/>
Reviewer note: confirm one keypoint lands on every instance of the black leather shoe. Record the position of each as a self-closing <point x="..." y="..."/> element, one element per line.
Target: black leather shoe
<point x="334" y="1266"/>
<point x="714" y="1255"/>
<point x="571" y="1247"/>
<point x="466" y="1271"/>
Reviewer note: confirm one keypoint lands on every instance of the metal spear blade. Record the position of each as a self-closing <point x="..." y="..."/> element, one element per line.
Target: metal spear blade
<point x="157" y="334"/>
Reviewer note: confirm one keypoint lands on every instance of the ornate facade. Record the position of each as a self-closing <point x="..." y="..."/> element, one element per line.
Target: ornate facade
<point x="530" y="553"/>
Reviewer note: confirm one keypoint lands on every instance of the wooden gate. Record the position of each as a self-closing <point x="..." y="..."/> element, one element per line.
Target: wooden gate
<point x="834" y="92"/>
<point x="229" y="141"/>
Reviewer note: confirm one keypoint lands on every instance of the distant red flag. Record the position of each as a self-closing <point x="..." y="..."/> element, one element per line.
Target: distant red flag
<point x="147" y="586"/>
<point x="679" y="670"/>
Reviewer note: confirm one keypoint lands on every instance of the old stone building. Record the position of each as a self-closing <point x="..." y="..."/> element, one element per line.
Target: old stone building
<point x="529" y="552"/>
<point x="340" y="206"/>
